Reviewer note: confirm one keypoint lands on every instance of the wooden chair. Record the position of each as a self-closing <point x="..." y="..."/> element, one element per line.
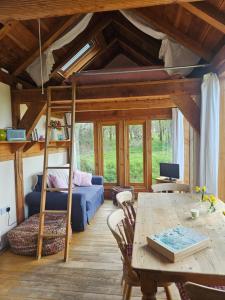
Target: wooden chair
<point x="122" y="232"/>
<point x="171" y="187"/>
<point x="125" y="201"/>
<point x="197" y="292"/>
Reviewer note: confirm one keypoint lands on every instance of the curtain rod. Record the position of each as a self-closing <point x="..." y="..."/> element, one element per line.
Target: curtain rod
<point x="89" y="73"/>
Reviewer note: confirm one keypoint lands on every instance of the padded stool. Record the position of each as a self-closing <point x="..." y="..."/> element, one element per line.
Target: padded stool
<point x="23" y="238"/>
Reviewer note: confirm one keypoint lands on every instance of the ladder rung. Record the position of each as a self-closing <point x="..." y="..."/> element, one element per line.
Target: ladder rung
<point x="53" y="235"/>
<point x="61" y="107"/>
<point x="57" y="146"/>
<point x="56" y="189"/>
<point x="63" y="126"/>
<point x="54" y="211"/>
<point x="53" y="168"/>
<point x="61" y="102"/>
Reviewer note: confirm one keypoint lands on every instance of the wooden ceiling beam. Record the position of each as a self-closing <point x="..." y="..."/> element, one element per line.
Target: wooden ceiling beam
<point x="207" y="12"/>
<point x="53" y="36"/>
<point x="128" y="103"/>
<point x="134" y="55"/>
<point x="104" y="56"/>
<point x="13" y="80"/>
<point x="32" y="116"/>
<point x="117" y="115"/>
<point x="33" y="9"/>
<point x="162" y="25"/>
<point x="6" y="28"/>
<point x="152" y="89"/>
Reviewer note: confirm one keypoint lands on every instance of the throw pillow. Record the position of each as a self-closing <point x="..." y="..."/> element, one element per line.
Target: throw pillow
<point x="82" y="178"/>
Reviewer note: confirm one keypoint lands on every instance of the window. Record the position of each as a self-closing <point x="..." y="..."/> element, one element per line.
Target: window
<point x="77" y="56"/>
<point x="109" y="153"/>
<point x="161" y="145"/>
<point x="84" y="158"/>
<point x="136" y="155"/>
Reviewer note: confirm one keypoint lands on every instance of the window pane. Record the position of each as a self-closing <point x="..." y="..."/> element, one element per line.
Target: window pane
<point x="84" y="158"/>
<point x="161" y="145"/>
<point x="136" y="153"/>
<point x="109" y="153"/>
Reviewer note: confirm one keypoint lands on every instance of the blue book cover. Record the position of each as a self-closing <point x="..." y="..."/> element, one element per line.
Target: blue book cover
<point x="179" y="238"/>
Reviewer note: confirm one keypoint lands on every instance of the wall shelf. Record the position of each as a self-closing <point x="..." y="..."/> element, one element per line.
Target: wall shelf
<point x="9" y="148"/>
<point x="54" y="144"/>
<point x="14" y="145"/>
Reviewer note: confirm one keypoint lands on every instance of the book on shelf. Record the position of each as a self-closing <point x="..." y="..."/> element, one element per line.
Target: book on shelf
<point x="178" y="242"/>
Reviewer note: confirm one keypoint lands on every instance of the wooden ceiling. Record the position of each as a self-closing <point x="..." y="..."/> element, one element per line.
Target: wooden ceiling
<point x="198" y="25"/>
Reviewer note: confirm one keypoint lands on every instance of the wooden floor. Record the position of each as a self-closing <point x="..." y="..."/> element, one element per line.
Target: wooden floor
<point x="93" y="272"/>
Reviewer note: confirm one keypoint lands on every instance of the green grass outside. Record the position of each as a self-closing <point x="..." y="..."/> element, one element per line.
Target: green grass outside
<point x="161" y="152"/>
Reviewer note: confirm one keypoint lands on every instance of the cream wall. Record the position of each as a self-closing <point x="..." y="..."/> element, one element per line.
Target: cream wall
<point x="31" y="166"/>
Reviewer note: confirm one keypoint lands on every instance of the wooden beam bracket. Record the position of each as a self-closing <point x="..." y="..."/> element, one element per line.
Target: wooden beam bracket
<point x="189" y="109"/>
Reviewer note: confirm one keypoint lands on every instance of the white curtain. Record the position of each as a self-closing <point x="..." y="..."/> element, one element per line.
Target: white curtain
<point x="209" y="138"/>
<point x="47" y="56"/>
<point x="172" y="53"/>
<point x="178" y="139"/>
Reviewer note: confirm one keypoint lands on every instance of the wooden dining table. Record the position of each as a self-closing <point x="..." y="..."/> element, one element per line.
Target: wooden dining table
<point x="157" y="212"/>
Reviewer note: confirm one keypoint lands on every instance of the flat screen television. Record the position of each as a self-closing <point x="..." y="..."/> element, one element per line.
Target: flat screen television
<point x="169" y="170"/>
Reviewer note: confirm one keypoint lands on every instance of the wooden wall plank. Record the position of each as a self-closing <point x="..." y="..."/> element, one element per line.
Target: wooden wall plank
<point x="32" y="9"/>
<point x="208" y="13"/>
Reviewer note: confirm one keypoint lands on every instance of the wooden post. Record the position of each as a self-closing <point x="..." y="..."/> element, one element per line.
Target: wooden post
<point x="18" y="165"/>
<point x="221" y="186"/>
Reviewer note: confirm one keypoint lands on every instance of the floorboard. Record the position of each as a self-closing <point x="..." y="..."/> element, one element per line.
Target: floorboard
<point x="92" y="273"/>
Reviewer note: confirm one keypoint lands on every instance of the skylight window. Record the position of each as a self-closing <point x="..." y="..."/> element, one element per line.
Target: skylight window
<point x="77" y="56"/>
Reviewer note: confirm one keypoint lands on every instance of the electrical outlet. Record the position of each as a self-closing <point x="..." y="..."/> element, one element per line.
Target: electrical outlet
<point x="4" y="210"/>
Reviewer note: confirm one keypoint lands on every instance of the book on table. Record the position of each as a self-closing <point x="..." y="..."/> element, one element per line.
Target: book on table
<point x="178" y="242"/>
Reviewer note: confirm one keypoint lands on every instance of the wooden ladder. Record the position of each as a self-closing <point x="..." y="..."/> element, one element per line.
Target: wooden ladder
<point x="51" y="105"/>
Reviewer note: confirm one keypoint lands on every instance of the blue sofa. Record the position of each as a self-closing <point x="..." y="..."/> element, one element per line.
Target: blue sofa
<point x="85" y="201"/>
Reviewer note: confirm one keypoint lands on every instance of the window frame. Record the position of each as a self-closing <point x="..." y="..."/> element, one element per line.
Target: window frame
<point x="80" y="62"/>
<point x="137" y="185"/>
<point x="100" y="166"/>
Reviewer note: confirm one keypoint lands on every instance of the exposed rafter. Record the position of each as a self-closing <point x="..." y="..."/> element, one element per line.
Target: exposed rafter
<point x="173" y="32"/>
<point x="54" y="35"/>
<point x="208" y="13"/>
<point x="33" y="9"/>
<point x="13" y="80"/>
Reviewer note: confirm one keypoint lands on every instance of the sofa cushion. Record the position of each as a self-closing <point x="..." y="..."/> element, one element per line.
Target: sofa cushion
<point x="90" y="193"/>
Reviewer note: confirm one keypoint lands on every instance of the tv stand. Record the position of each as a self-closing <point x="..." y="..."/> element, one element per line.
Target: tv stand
<point x="167" y="180"/>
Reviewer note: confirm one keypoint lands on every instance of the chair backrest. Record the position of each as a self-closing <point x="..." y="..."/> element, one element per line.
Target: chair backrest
<point x="197" y="292"/>
<point x="125" y="196"/>
<point x="123" y="233"/>
<point x="125" y="201"/>
<point x="171" y="187"/>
